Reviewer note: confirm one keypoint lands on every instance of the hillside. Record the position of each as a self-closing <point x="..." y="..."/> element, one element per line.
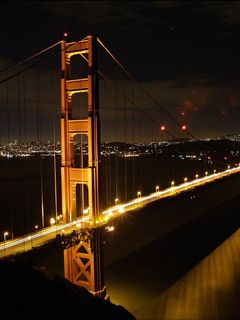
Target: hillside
<point x="29" y="293"/>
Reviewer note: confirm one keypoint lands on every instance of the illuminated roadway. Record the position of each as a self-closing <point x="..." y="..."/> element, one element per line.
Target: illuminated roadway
<point x="43" y="236"/>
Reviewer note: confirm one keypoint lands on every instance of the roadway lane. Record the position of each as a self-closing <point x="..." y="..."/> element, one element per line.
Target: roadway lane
<point x="39" y="238"/>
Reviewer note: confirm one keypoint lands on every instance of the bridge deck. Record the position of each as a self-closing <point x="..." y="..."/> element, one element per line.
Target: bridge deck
<point x="41" y="237"/>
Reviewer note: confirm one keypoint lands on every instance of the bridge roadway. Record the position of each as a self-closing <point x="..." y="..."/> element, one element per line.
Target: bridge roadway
<point x="43" y="236"/>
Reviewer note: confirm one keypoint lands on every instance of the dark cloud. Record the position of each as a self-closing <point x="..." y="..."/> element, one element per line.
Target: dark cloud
<point x="227" y="12"/>
<point x="185" y="53"/>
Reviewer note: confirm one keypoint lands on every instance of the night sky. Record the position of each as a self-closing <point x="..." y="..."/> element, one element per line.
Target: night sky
<point x="185" y="53"/>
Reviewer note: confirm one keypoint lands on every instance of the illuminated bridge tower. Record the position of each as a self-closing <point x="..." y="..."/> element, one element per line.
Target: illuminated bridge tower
<point x="82" y="262"/>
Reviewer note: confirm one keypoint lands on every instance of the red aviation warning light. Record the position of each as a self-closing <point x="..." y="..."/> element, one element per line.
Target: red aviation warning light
<point x="162" y="128"/>
<point x="184" y="127"/>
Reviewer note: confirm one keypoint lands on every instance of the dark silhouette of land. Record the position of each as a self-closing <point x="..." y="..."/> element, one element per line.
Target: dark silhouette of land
<point x="29" y="293"/>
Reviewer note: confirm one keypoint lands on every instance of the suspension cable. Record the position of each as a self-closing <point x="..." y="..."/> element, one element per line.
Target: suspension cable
<point x="142" y="87"/>
<point x="38" y="62"/>
<point x="31" y="57"/>
<point x="129" y="99"/>
<point x="147" y="93"/>
<point x="134" y="104"/>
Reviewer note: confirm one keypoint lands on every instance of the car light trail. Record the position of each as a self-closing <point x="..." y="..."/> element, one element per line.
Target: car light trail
<point x="41" y="233"/>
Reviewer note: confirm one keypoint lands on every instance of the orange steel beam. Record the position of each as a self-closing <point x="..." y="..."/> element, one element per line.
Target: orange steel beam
<point x="83" y="263"/>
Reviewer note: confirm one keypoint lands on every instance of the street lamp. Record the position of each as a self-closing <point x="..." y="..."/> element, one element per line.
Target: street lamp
<point x="157" y="188"/>
<point x="206" y="173"/>
<point x="5" y="236"/>
<point x="196" y="176"/>
<point x="36" y="227"/>
<point x="59" y="217"/>
<point x="116" y="200"/>
<point x="139" y="194"/>
<point x="52" y="221"/>
<point x="172" y="183"/>
<point x="86" y="211"/>
<point x="185" y="179"/>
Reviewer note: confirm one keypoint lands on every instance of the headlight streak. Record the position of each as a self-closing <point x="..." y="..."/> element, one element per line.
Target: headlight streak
<point x="41" y="233"/>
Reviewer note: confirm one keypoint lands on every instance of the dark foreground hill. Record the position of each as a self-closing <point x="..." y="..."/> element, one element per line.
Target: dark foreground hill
<point x="29" y="293"/>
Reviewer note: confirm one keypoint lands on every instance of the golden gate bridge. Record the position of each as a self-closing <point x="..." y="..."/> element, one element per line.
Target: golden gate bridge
<point x="86" y="207"/>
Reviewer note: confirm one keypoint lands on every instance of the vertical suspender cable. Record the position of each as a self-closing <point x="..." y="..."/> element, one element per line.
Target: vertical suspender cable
<point x="133" y="142"/>
<point x="8" y="141"/>
<point x="54" y="151"/>
<point x="82" y="206"/>
<point x="38" y="136"/>
<point x="109" y="158"/>
<point x="125" y="146"/>
<point x="106" y="140"/>
<point x="116" y="105"/>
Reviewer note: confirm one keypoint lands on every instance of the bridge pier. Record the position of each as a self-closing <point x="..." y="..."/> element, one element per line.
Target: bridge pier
<point x="83" y="263"/>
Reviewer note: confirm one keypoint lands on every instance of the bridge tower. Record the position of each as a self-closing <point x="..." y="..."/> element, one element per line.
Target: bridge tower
<point x="82" y="262"/>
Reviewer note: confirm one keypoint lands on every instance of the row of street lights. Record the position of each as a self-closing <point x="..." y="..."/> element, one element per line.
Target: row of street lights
<point x="117" y="201"/>
<point x="52" y="222"/>
<point x="172" y="185"/>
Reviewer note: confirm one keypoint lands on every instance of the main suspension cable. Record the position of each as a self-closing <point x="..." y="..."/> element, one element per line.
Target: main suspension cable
<point x="31" y="57"/>
<point x="129" y="99"/>
<point x="142" y="87"/>
<point x="38" y="62"/>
